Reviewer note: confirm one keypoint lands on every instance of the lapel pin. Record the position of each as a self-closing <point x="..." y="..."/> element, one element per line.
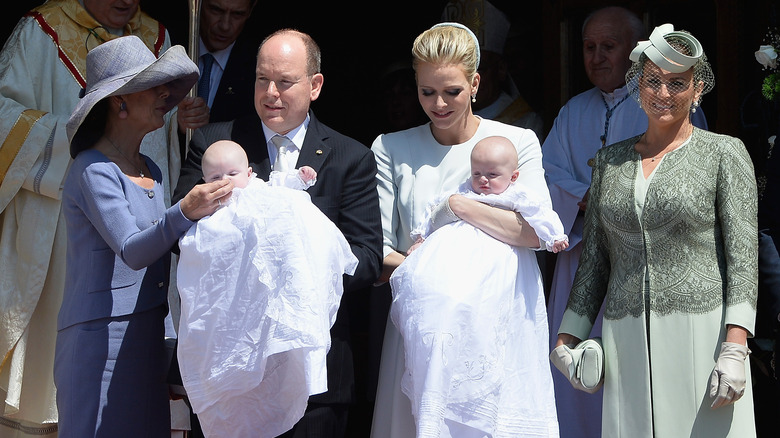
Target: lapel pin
<point x="319" y="152"/>
<point x="229" y="90"/>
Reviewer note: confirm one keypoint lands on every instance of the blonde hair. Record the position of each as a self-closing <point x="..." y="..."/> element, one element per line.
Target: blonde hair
<point x="447" y="45"/>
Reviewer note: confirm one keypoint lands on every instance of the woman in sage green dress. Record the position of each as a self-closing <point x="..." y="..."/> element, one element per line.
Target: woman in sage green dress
<point x="670" y="247"/>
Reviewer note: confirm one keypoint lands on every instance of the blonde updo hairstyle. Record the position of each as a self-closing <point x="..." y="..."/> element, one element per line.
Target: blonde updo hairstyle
<point x="448" y="44"/>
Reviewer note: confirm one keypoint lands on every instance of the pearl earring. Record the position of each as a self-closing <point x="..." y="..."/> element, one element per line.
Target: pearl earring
<point x="694" y="106"/>
<point x="473" y="97"/>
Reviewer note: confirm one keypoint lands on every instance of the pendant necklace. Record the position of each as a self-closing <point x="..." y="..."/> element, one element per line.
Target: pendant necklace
<point x="667" y="149"/>
<point x="652" y="158"/>
<point x="140" y="172"/>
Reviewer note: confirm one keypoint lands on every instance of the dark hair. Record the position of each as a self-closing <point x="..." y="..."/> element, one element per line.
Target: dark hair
<point x="93" y="126"/>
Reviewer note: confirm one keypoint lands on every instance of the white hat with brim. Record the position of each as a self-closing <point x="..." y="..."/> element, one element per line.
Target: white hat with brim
<point x="123" y="66"/>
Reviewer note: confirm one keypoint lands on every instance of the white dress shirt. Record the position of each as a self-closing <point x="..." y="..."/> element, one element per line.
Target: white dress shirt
<point x="296" y="136"/>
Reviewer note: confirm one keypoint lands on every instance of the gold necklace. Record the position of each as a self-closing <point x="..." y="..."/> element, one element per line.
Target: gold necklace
<point x="140" y="172"/>
<point x="652" y="158"/>
<point x="667" y="149"/>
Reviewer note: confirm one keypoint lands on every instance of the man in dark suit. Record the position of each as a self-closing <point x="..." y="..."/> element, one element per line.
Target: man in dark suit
<point x="228" y="77"/>
<point x="288" y="80"/>
<point x="765" y="345"/>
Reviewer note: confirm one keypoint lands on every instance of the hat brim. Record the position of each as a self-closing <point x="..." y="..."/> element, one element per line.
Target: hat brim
<point x="174" y="68"/>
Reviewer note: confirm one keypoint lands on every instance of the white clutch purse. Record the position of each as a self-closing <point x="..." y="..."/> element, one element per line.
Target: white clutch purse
<point x="583" y="365"/>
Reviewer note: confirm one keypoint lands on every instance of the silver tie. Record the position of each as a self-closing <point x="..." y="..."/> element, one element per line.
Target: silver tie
<point x="282" y="143"/>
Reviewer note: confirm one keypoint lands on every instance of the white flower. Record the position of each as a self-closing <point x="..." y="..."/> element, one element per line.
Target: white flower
<point x="767" y="56"/>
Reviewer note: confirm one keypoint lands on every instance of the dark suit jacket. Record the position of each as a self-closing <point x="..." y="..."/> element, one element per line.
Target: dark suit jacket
<point x="768" y="305"/>
<point x="345" y="191"/>
<point x="236" y="91"/>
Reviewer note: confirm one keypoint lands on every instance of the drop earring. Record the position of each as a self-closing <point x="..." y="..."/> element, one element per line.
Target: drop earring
<point x="123" y="110"/>
<point x="473" y="97"/>
<point x="694" y="106"/>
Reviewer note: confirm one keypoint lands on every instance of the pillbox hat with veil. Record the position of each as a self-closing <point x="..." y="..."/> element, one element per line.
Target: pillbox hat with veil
<point x="675" y="52"/>
<point x="123" y="66"/>
<point x="663" y="54"/>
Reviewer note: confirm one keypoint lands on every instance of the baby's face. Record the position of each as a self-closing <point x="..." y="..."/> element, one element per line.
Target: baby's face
<point x="217" y="169"/>
<point x="491" y="176"/>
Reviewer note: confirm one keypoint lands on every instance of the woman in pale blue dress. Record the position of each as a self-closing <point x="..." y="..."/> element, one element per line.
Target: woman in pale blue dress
<point x="421" y="163"/>
<point x="110" y="362"/>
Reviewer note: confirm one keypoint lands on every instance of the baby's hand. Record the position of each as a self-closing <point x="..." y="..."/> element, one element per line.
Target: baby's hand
<point x="307" y="173"/>
<point x="416" y="245"/>
<point x="560" y="245"/>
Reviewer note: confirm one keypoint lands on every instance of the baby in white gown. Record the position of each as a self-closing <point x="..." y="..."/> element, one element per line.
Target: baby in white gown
<point x="493" y="175"/>
<point x="260" y="282"/>
<point x="471" y="309"/>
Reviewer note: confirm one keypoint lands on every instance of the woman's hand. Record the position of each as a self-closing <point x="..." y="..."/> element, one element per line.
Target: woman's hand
<point x="504" y="225"/>
<point x="583" y="366"/>
<point x="205" y="199"/>
<point x="562" y="357"/>
<point x="567" y="339"/>
<point x="728" y="379"/>
<point x="392" y="261"/>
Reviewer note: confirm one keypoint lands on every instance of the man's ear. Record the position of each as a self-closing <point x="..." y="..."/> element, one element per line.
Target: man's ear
<point x="316" y="85"/>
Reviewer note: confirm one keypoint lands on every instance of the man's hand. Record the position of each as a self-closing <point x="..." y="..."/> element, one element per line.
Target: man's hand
<point x="193" y="113"/>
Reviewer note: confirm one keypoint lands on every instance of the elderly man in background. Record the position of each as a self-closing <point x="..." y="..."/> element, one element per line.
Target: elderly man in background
<point x="42" y="72"/>
<point x="598" y="117"/>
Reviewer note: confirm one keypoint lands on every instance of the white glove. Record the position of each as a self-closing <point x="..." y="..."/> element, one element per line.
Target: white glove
<point x="727" y="382"/>
<point x="582" y="364"/>
<point x="562" y="358"/>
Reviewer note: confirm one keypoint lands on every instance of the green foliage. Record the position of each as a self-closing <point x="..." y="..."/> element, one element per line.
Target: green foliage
<point x="771" y="86"/>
